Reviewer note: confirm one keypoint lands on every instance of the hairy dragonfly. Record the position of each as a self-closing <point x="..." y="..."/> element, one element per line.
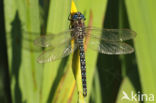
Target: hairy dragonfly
<point x="105" y="41"/>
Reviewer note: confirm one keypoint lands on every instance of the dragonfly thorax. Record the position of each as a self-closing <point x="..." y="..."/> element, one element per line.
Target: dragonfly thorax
<point x="78" y="32"/>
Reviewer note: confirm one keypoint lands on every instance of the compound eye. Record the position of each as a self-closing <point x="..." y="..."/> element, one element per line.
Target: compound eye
<point x="75" y="16"/>
<point x="82" y="16"/>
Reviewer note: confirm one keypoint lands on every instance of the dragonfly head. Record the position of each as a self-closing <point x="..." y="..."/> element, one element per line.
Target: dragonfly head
<point x="77" y="16"/>
<point x="76" y="20"/>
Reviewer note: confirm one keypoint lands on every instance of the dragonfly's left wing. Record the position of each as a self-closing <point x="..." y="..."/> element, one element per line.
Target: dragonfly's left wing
<point x="56" y="53"/>
<point x="109" y="47"/>
<point x="23" y="38"/>
<point x="51" y="40"/>
<point x="110" y="34"/>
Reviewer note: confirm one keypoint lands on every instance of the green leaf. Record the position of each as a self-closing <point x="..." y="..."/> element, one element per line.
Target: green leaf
<point x="142" y="20"/>
<point x="126" y="89"/>
<point x="96" y="96"/>
<point x="25" y="72"/>
<point x="58" y="78"/>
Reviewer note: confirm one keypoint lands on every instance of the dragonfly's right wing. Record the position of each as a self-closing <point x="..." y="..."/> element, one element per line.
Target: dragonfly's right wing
<point x="109" y="47"/>
<point x="55" y="53"/>
<point x="53" y="40"/>
<point x="110" y="34"/>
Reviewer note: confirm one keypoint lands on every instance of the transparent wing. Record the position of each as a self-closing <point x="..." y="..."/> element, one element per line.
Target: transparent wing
<point x="55" y="53"/>
<point x="111" y="34"/>
<point x="25" y="39"/>
<point x="53" y="40"/>
<point x="109" y="47"/>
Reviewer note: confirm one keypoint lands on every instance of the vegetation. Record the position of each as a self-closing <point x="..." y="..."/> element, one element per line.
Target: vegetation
<point x="23" y="80"/>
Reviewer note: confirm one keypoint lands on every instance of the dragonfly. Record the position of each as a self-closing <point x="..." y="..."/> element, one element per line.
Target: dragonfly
<point x="111" y="42"/>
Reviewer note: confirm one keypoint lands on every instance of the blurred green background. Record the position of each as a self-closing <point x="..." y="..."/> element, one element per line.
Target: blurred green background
<point x="23" y="80"/>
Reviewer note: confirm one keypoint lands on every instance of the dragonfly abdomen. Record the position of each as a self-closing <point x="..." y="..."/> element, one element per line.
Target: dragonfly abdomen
<point x="83" y="67"/>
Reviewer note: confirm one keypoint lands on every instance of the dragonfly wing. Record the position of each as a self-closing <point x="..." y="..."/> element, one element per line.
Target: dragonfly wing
<point x="111" y="34"/>
<point x="56" y="53"/>
<point x="109" y="47"/>
<point x="44" y="41"/>
<point x="53" y="40"/>
<point x="25" y="39"/>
